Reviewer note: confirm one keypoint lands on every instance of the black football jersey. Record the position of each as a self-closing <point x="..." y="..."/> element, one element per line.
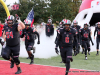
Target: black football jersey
<point x="29" y="35"/>
<point x="12" y="35"/>
<point x="49" y="29"/>
<point x="67" y="37"/>
<point x="85" y="34"/>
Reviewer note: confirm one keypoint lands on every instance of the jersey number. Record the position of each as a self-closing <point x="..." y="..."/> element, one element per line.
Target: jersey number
<point x="9" y="34"/>
<point x="48" y="30"/>
<point x="67" y="39"/>
<point x="86" y="35"/>
<point x="28" y="38"/>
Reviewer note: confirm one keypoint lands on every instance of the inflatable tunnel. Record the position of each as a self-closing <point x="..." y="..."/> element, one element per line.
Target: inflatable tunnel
<point x="89" y="12"/>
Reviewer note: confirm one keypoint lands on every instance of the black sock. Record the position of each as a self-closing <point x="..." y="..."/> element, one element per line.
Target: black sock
<point x="32" y="57"/>
<point x="97" y="52"/>
<point x="18" y="68"/>
<point x="83" y="50"/>
<point x="67" y="67"/>
<point x="12" y="61"/>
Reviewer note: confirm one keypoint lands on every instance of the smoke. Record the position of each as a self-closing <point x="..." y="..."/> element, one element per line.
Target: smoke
<point x="46" y="48"/>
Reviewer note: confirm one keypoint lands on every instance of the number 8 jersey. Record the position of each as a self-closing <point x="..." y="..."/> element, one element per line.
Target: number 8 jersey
<point x="67" y="37"/>
<point x="12" y="35"/>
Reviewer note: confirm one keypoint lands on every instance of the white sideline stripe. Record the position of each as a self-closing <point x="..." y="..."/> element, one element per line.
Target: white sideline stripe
<point x="52" y="66"/>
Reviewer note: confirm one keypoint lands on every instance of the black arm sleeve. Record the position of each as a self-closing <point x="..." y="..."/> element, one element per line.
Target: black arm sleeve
<point x="37" y="35"/>
<point x="52" y="30"/>
<point x="90" y="37"/>
<point x="80" y="36"/>
<point x="59" y="37"/>
<point x="76" y="40"/>
<point x="95" y="31"/>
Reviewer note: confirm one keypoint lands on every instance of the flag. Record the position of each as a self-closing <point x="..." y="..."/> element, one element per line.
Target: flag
<point x="30" y="16"/>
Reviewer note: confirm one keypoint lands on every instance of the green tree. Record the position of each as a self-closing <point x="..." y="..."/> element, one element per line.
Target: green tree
<point x="3" y="14"/>
<point x="61" y="9"/>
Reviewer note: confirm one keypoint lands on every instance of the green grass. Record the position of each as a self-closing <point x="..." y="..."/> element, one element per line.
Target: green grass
<point x="93" y="62"/>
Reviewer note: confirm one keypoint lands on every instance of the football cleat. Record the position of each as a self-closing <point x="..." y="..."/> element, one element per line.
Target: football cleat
<point x="18" y="71"/>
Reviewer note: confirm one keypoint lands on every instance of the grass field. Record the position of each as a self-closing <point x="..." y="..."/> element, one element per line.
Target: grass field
<point x="93" y="62"/>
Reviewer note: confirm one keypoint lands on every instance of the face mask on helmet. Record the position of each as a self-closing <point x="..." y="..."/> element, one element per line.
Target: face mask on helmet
<point x="75" y="24"/>
<point x="9" y="22"/>
<point x="27" y="26"/>
<point x="85" y="26"/>
<point x="98" y="25"/>
<point x="67" y="27"/>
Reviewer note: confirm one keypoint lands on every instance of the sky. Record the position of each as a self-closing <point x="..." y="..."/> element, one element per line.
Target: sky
<point x="11" y="2"/>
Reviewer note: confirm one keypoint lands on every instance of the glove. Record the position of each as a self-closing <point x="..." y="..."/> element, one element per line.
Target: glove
<point x="92" y="43"/>
<point x="38" y="42"/>
<point x="56" y="50"/>
<point x="2" y="41"/>
<point x="17" y="18"/>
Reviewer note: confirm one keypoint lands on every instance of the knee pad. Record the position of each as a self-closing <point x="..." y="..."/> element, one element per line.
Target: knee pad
<point x="16" y="60"/>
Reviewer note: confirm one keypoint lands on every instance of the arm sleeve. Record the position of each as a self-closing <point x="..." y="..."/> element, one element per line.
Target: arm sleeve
<point x="37" y="35"/>
<point x="76" y="40"/>
<point x="90" y="37"/>
<point x="59" y="37"/>
<point x="95" y="31"/>
<point x="52" y="29"/>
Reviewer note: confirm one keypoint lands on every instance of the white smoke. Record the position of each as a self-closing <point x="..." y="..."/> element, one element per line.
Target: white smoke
<point x="45" y="49"/>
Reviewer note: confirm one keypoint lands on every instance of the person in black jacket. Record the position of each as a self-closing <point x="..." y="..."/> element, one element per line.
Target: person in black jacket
<point x="49" y="28"/>
<point x="29" y="33"/>
<point x="66" y="36"/>
<point x="85" y="34"/>
<point x="97" y="29"/>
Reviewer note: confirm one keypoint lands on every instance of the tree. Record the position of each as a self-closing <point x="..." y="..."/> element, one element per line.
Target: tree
<point x="3" y="14"/>
<point x="61" y="9"/>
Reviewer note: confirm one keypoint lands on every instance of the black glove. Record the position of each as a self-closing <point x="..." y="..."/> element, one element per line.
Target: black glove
<point x="56" y="50"/>
<point x="2" y="43"/>
<point x="38" y="42"/>
<point x="92" y="43"/>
